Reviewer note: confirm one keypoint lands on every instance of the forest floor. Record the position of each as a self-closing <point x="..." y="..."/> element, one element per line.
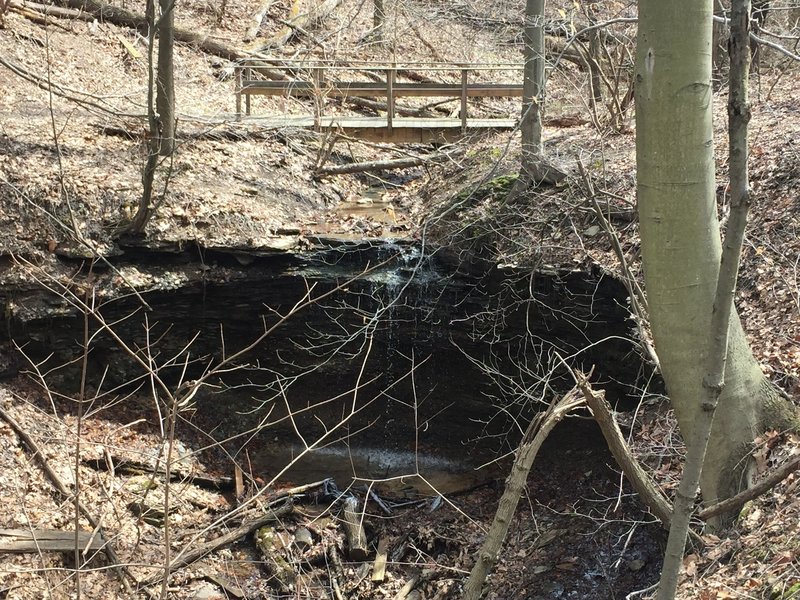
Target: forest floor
<point x="579" y="533"/>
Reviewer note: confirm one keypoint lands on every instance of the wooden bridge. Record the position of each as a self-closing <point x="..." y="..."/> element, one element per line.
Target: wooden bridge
<point x="360" y="83"/>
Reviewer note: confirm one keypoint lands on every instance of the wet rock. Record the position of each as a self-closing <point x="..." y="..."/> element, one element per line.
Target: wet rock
<point x="208" y="591"/>
<point x="303" y="538"/>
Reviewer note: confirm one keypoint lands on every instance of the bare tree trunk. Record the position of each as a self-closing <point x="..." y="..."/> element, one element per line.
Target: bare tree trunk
<point x="758" y="12"/>
<point x="681" y="246"/>
<point x="534" y="168"/>
<point x="594" y="54"/>
<point x="714" y="381"/>
<point x="532" y="83"/>
<point x="379" y="22"/>
<point x="165" y="84"/>
<point x="719" y="38"/>
<point x="145" y="210"/>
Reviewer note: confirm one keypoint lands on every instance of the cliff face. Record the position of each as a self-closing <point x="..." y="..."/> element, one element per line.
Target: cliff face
<point x="412" y="348"/>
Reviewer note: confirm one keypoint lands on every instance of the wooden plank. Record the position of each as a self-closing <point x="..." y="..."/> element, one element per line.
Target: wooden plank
<point x="464" y="92"/>
<point x="46" y="540"/>
<point x="379" y="566"/>
<point x="354" y="530"/>
<point x="343" y="89"/>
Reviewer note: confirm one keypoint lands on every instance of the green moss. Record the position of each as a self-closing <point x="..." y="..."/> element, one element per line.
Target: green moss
<point x="746" y="510"/>
<point x="780" y="592"/>
<point x="498" y="187"/>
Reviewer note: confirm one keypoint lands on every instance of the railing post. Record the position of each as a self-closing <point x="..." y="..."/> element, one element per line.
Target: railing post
<point x="238" y="75"/>
<point x="316" y="76"/>
<point x="248" y="76"/>
<point x="390" y="75"/>
<point x="464" y="80"/>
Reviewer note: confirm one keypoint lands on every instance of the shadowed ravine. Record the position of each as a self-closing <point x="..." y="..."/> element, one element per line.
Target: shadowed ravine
<point x="419" y="359"/>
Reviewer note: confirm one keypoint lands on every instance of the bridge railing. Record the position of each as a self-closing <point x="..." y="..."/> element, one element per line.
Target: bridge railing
<point x="319" y="80"/>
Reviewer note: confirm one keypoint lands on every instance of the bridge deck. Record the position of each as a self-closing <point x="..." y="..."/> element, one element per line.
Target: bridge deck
<point x="403" y="129"/>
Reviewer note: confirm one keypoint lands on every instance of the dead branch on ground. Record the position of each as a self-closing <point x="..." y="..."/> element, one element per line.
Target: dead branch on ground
<point x="731" y="504"/>
<point x="258" y="19"/>
<point x="383" y="165"/>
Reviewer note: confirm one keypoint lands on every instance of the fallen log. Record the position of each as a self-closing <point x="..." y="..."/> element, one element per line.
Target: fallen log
<point x="126" y="18"/>
<point x="258" y="19"/>
<point x="297" y="21"/>
<point x="47" y="540"/>
<point x="36" y="15"/>
<point x="51" y="11"/>
<point x="383" y="165"/>
<point x="130" y="466"/>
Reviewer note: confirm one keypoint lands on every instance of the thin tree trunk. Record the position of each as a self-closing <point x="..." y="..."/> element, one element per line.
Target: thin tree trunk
<point x="719" y="39"/>
<point x="144" y="210"/>
<point x="379" y="21"/>
<point x="165" y="84"/>
<point x="532" y="84"/>
<point x="534" y="168"/>
<point x="535" y="435"/>
<point x="594" y="55"/>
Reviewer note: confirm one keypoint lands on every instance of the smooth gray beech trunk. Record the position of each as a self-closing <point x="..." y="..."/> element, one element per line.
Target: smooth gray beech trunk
<point x="714" y="381"/>
<point x="681" y="245"/>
